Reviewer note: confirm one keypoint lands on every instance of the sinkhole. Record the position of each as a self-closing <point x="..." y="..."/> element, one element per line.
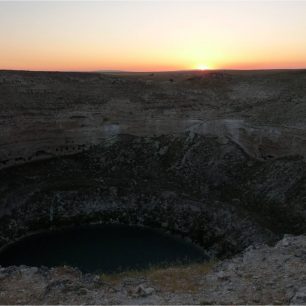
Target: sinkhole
<point x="101" y="249"/>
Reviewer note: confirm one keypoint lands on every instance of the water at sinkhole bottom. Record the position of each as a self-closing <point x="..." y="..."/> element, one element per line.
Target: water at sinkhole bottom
<point x="101" y="249"/>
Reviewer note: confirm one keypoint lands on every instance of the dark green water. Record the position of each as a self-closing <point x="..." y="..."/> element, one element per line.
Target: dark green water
<point x="101" y="248"/>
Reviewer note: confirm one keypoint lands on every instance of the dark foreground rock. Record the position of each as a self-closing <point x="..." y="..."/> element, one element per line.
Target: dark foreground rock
<point x="261" y="275"/>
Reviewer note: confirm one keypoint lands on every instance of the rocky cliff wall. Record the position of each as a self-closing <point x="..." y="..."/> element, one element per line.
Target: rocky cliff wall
<point x="191" y="185"/>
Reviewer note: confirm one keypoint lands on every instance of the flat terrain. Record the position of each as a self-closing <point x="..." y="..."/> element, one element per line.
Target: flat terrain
<point x="43" y="114"/>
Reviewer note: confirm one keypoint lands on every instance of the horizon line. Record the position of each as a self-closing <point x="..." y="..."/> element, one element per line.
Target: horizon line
<point x="156" y="71"/>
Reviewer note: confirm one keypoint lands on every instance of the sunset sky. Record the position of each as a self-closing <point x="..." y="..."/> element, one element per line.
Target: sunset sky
<point x="152" y="35"/>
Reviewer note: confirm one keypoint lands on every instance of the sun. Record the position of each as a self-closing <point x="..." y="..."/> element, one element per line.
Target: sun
<point x="202" y="67"/>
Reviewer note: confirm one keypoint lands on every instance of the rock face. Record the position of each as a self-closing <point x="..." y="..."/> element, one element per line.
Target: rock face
<point x="216" y="158"/>
<point x="261" y="275"/>
<point x="191" y="185"/>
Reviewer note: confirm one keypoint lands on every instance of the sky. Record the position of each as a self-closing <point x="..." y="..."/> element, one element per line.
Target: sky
<point x="152" y="35"/>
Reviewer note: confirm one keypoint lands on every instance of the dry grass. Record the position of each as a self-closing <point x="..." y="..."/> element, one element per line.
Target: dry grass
<point x="179" y="278"/>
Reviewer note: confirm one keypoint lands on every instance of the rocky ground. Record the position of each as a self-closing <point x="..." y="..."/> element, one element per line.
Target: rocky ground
<point x="215" y="157"/>
<point x="261" y="275"/>
<point x="47" y="114"/>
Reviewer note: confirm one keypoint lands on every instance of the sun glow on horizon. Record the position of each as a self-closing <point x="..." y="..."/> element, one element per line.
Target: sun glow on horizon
<point x="202" y="67"/>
